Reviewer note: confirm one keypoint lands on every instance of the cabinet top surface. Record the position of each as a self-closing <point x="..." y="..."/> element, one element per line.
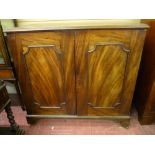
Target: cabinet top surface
<point x="77" y="24"/>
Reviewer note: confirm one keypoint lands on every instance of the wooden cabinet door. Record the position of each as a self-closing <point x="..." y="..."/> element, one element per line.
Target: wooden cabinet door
<point x="107" y="63"/>
<point x="44" y="63"/>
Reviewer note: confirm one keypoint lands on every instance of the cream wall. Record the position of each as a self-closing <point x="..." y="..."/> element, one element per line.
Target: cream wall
<point x="48" y="22"/>
<point x="7" y="23"/>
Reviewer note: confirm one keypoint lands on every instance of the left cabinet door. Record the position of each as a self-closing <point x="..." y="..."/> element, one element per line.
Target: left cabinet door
<point x="44" y="62"/>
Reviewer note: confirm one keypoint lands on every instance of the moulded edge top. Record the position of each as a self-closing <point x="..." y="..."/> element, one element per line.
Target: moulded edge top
<point x="77" y="25"/>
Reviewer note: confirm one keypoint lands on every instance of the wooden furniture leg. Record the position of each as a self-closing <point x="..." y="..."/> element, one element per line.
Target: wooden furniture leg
<point x="125" y="123"/>
<point x="14" y="127"/>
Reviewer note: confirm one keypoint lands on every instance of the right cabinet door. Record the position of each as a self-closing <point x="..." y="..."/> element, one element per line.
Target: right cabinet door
<point x="107" y="63"/>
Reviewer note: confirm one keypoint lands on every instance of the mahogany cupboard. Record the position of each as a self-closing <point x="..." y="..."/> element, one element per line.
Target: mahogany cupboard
<point x="77" y="71"/>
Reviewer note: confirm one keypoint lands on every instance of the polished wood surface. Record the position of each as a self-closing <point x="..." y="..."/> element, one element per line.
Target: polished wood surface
<point x="107" y="62"/>
<point x="145" y="89"/>
<point x="45" y="67"/>
<point x="84" y="73"/>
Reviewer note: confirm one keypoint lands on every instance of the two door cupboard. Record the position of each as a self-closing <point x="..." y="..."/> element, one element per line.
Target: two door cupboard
<point x="77" y="72"/>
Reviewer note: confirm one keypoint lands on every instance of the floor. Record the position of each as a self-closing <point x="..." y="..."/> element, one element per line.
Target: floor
<point x="77" y="126"/>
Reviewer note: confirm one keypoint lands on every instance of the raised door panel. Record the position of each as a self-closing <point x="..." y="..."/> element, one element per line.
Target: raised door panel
<point x="45" y="67"/>
<point x="103" y="58"/>
<point x="106" y="69"/>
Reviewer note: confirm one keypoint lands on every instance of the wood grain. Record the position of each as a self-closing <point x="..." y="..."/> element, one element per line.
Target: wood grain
<point x="103" y="75"/>
<point x="45" y="66"/>
<point x="48" y="71"/>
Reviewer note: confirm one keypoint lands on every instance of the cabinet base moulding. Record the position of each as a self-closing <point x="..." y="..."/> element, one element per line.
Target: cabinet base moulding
<point x="123" y="120"/>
